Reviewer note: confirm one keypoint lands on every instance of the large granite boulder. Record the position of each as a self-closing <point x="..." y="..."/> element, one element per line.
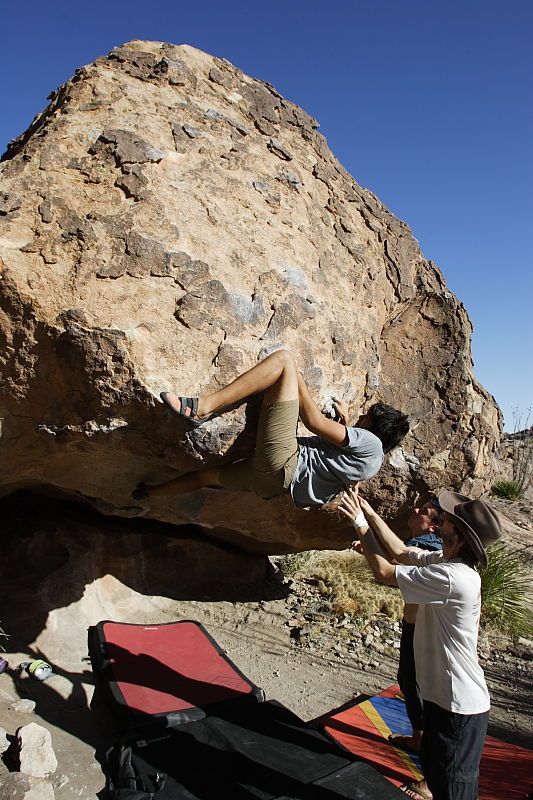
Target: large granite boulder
<point x="166" y="222"/>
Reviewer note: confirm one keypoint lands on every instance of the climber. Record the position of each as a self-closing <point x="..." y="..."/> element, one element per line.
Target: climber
<point x="312" y="468"/>
<point x="447" y="589"/>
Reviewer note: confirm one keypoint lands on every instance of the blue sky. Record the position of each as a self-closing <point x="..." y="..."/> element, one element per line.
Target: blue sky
<point x="427" y="103"/>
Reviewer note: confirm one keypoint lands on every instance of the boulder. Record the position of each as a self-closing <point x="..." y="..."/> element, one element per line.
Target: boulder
<point x="36" y="754"/>
<point x="165" y="223"/>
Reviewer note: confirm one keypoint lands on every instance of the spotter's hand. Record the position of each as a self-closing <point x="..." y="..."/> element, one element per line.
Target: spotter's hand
<point x="350" y="503"/>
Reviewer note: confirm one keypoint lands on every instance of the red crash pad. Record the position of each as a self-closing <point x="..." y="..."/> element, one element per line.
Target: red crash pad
<point x="175" y="670"/>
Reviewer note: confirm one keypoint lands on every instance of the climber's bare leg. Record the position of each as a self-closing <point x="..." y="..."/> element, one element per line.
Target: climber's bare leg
<point x="276" y="376"/>
<point x="189" y="482"/>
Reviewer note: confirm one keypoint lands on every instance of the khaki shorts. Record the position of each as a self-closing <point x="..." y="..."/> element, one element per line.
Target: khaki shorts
<point x="270" y="470"/>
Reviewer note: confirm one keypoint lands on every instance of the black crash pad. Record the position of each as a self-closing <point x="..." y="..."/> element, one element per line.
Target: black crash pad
<point x="253" y="752"/>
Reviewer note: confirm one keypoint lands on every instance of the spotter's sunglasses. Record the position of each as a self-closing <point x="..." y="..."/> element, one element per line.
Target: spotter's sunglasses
<point x="433" y="501"/>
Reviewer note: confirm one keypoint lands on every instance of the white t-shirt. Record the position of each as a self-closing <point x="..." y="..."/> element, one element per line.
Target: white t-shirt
<point x="448" y="594"/>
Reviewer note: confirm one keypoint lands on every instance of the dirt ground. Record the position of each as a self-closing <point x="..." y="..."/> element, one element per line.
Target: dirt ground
<point x="280" y="634"/>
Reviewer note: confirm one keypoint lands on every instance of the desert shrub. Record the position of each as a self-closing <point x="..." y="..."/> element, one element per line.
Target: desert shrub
<point x="297" y="563"/>
<point x="506" y="591"/>
<point x="348" y="582"/>
<point x="510" y="490"/>
<point x="522" y="449"/>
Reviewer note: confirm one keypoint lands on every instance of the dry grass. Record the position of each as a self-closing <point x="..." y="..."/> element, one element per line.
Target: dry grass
<point x="345" y="579"/>
<point x="299" y="564"/>
<point x="347" y="585"/>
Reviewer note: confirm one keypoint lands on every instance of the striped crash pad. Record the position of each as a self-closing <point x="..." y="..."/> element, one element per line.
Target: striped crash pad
<point x="506" y="771"/>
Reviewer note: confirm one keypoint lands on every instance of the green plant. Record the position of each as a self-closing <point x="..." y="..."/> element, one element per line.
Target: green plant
<point x="505" y="591"/>
<point x="510" y="490"/>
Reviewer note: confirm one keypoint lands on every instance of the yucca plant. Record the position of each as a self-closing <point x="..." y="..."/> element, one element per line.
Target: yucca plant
<point x="506" y="591"/>
<point x="510" y="490"/>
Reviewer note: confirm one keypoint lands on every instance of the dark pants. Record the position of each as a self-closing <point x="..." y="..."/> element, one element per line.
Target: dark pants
<point x="407" y="677"/>
<point x="451" y="751"/>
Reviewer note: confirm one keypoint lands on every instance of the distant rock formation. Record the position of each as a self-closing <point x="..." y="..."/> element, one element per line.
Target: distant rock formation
<point x="166" y="222"/>
<point x="525" y="434"/>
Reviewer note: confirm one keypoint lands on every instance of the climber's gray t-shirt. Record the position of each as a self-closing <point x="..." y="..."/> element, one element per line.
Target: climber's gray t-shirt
<point x="325" y="469"/>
